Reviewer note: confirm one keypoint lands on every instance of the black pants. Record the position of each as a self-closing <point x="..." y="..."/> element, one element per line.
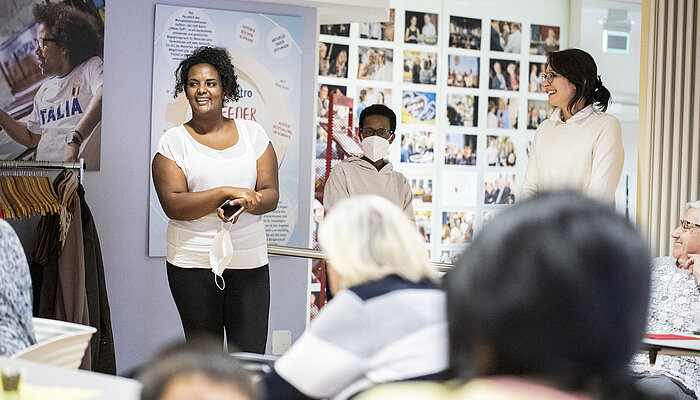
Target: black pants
<point x="242" y="307"/>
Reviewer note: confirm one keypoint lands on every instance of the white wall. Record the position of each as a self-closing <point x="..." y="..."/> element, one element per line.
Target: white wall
<point x="620" y="74"/>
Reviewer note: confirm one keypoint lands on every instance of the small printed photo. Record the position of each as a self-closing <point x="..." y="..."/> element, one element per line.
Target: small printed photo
<point x="459" y="188"/>
<point x="499" y="188"/>
<point x="366" y="96"/>
<point x="465" y="33"/>
<point x="418" y="107"/>
<point x="336" y="30"/>
<point x="506" y="36"/>
<point x="450" y="256"/>
<point x="460" y="149"/>
<point x="419" y="67"/>
<point x="544" y="39"/>
<point x="502" y="112"/>
<point x="457" y="227"/>
<point x="537" y="112"/>
<point x="333" y="59"/>
<point x="424" y="223"/>
<point x="462" y="109"/>
<point x="375" y="63"/>
<point x="536" y="81"/>
<point x="487" y="217"/>
<point x="421" y="28"/>
<point x="528" y="146"/>
<point x="500" y="151"/>
<point x="378" y="30"/>
<point x="417" y="147"/>
<point x="504" y="75"/>
<point x="422" y="188"/>
<point x="462" y="71"/>
<point x="323" y="98"/>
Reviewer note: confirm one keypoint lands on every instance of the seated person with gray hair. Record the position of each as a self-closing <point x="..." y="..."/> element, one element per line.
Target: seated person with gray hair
<point x="386" y="321"/>
<point x="674" y="291"/>
<point x="199" y="369"/>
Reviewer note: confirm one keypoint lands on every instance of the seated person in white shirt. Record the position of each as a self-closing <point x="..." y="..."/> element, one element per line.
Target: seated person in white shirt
<point x="674" y="290"/>
<point x="386" y="321"/>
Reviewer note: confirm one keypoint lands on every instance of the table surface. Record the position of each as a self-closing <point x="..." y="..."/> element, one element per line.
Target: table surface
<point x="110" y="387"/>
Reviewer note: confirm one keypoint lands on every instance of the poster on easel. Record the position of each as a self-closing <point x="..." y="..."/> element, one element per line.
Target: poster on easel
<point x="266" y="53"/>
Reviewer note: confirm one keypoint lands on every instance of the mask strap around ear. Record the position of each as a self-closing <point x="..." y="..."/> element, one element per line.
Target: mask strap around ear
<point x="223" y="282"/>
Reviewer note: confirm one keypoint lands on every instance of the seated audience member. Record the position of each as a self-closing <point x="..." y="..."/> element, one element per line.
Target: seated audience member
<point x="16" y="327"/>
<point x="674" y="290"/>
<point x="386" y="321"/>
<point x="198" y="369"/>
<point x="556" y="313"/>
<point x="371" y="174"/>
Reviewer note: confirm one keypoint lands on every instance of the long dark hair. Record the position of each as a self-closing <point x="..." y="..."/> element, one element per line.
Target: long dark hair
<point x="579" y="68"/>
<point x="557" y="288"/>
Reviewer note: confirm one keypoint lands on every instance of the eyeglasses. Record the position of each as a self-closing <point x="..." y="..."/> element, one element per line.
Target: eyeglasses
<point x="41" y="42"/>
<point x="549" y="76"/>
<point x="687" y="225"/>
<point x="381" y="132"/>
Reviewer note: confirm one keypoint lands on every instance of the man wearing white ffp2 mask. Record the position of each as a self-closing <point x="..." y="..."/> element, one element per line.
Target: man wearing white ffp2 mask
<point x="371" y="173"/>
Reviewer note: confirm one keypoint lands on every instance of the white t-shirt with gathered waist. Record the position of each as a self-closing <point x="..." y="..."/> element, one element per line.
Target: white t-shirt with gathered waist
<point x="189" y="242"/>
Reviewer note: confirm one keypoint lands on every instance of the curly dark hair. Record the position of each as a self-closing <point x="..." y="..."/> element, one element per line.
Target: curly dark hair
<point x="73" y="29"/>
<point x="218" y="58"/>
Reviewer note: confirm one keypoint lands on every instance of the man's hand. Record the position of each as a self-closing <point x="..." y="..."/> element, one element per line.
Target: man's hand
<point x="70" y="153"/>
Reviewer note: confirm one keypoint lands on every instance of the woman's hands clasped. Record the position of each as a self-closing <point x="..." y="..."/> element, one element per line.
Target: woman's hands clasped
<point x="247" y="198"/>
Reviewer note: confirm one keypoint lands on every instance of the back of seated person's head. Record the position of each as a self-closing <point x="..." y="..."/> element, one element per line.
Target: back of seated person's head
<point x="554" y="288"/>
<point x="199" y="367"/>
<point x="367" y="238"/>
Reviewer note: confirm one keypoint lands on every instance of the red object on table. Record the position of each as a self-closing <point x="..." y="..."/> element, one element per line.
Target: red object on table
<point x="669" y="337"/>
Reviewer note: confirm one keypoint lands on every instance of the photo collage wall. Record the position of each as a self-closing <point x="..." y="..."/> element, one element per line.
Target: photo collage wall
<point x="467" y="91"/>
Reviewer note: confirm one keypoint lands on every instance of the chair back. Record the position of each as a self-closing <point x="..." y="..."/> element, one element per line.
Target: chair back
<point x="58" y="343"/>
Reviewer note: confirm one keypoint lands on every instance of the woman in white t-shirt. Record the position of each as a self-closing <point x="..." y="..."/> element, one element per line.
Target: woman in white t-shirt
<point x="217" y="282"/>
<point x="580" y="146"/>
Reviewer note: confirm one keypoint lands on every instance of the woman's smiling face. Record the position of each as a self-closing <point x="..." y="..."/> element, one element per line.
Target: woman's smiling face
<point x="203" y="89"/>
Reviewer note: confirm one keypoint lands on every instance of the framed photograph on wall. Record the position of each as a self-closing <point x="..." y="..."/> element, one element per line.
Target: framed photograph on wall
<point x="465" y="33"/>
<point x="544" y="39"/>
<point x="502" y="112"/>
<point x="417" y="147"/>
<point x="460" y="149"/>
<point x="506" y="36"/>
<point x="379" y="30"/>
<point x="418" y="107"/>
<point x="504" y="75"/>
<point x="462" y="71"/>
<point x="419" y="67"/>
<point x="421" y="28"/>
<point x="375" y="63"/>
<point x="462" y="109"/>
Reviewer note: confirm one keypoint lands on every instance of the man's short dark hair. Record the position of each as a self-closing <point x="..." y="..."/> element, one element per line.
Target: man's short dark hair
<point x="379" y="109"/>
<point x="199" y="356"/>
<point x="73" y="29"/>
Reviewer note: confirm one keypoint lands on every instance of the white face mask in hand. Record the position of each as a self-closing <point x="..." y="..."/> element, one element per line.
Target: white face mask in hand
<point x="220" y="254"/>
<point x="375" y="148"/>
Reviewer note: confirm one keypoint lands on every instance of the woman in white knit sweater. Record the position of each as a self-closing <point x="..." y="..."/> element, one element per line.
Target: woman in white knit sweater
<point x="580" y="146"/>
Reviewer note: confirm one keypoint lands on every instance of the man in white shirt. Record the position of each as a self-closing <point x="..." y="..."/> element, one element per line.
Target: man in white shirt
<point x="674" y="291"/>
<point x="429" y="34"/>
<point x="67" y="107"/>
<point x="513" y="44"/>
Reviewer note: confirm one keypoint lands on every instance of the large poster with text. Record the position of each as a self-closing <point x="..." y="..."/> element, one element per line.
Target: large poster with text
<point x="266" y="54"/>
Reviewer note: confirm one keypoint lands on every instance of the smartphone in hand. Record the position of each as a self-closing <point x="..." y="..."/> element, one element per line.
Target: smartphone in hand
<point x="231" y="211"/>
